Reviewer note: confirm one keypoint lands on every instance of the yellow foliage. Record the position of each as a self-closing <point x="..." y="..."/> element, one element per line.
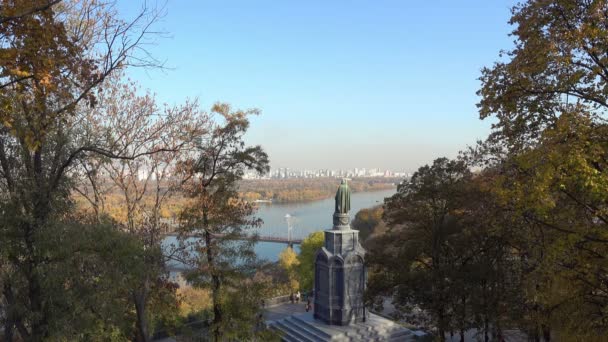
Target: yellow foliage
<point x="288" y="260"/>
<point x="193" y="300"/>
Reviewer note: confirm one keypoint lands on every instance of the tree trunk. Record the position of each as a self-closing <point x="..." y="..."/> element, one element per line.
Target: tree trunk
<point x="546" y="333"/>
<point x="140" y="297"/>
<point x="536" y="335"/>
<point x="8" y="321"/>
<point x="463" y="318"/>
<point x="486" y="337"/>
<point x="12" y="320"/>
<point x="498" y="331"/>
<point x="441" y="325"/>
<point x="41" y="209"/>
<point x="8" y="330"/>
<point x="215" y="285"/>
<point x="39" y="324"/>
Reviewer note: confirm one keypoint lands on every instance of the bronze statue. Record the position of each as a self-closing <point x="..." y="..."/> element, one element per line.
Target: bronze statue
<point x="343" y="198"/>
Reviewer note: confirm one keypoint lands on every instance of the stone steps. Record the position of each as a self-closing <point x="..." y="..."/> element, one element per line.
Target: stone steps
<point x="320" y="333"/>
<point x="305" y="333"/>
<point x="301" y="329"/>
<point x="290" y="334"/>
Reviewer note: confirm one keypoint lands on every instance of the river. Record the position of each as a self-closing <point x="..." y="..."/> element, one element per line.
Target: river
<point x="305" y="218"/>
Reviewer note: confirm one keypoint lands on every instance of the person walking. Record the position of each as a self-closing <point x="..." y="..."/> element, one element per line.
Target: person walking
<point x="298" y="296"/>
<point x="308" y="305"/>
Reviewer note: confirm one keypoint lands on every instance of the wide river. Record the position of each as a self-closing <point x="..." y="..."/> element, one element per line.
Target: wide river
<point x="304" y="218"/>
<point x="307" y="217"/>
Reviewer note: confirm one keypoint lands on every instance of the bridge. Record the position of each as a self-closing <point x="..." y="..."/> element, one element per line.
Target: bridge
<point x="266" y="234"/>
<point x="261" y="238"/>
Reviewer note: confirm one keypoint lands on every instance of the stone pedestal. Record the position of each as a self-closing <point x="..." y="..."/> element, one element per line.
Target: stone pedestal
<point x="340" y="275"/>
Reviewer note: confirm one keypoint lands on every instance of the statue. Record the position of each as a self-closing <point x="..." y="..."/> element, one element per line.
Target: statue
<point x="343" y="198"/>
<point x="340" y="269"/>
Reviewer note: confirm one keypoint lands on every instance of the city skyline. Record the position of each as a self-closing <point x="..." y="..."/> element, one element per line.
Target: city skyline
<point x="286" y="172"/>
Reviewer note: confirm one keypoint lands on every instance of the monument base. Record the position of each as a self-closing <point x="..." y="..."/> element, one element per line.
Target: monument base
<point x="303" y="327"/>
<point x="341" y="316"/>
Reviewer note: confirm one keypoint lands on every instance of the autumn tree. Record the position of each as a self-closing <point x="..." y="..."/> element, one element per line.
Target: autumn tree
<point x="160" y="138"/>
<point x="53" y="58"/>
<point x="306" y="267"/>
<point x="288" y="260"/>
<point x="549" y="98"/>
<point x="219" y="227"/>
<point x="367" y="221"/>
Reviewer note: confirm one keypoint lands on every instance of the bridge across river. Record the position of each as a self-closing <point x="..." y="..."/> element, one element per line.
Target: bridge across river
<point x="266" y="234"/>
<point x="261" y="238"/>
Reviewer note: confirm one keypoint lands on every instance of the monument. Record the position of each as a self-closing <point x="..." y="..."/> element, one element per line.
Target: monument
<point x="339" y="269"/>
<point x="339" y="312"/>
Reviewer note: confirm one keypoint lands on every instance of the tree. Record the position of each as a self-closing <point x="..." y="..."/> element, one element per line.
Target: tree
<point x="559" y="63"/>
<point x="52" y="63"/>
<point x="550" y="99"/>
<point x="18" y="10"/>
<point x="220" y="222"/>
<point x="160" y="139"/>
<point x="367" y="220"/>
<point x="423" y="250"/>
<point x="288" y="260"/>
<point x="557" y="192"/>
<point x="446" y="252"/>
<point x="306" y="268"/>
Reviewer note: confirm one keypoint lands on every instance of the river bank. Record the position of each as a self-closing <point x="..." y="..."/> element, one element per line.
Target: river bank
<point x="307" y="217"/>
<point x="302" y="190"/>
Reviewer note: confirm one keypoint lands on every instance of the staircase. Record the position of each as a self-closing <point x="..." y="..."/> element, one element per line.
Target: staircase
<point x="304" y="328"/>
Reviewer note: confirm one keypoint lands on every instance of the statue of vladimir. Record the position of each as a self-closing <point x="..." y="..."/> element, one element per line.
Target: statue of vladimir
<point x="343" y="198"/>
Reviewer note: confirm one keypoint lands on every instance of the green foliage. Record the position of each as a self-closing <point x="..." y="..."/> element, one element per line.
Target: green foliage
<point x="367" y="221"/>
<point x="445" y="253"/>
<point x="306" y="268"/>
<point x="558" y="188"/>
<point x="244" y="320"/>
<point x="549" y="98"/>
<point x="522" y="242"/>
<point x="422" y="253"/>
<point x="86" y="280"/>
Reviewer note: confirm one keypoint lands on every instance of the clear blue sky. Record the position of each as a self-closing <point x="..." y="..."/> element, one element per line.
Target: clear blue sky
<point x="341" y="84"/>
